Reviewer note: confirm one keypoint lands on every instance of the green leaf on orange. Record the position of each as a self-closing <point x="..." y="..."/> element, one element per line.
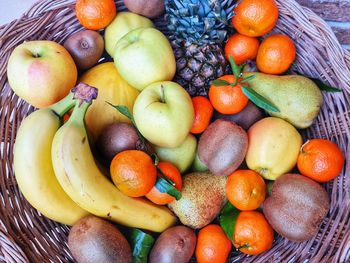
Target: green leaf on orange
<point x="228" y="218"/>
<point x="141" y="244"/>
<point x="259" y="100"/>
<point x="164" y="186"/>
<point x="220" y="83"/>
<point x="155" y="158"/>
<point x="236" y="70"/>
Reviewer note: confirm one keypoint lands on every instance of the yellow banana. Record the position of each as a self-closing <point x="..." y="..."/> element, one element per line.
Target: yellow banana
<point x="79" y="176"/>
<point x="33" y="165"/>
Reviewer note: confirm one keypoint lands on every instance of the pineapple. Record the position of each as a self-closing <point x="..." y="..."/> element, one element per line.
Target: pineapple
<point x="198" y="29"/>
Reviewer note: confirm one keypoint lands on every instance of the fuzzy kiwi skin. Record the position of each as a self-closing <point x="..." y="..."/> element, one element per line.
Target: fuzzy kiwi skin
<point x="147" y="8"/>
<point x="296" y="207"/>
<point x="174" y="245"/>
<point x="222" y="147"/>
<point x="203" y="196"/>
<point x="245" y="118"/>
<point x="86" y="48"/>
<point x="93" y="239"/>
<point x="115" y="138"/>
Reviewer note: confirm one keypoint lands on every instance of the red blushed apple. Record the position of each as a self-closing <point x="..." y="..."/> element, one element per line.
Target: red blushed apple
<point x="41" y="72"/>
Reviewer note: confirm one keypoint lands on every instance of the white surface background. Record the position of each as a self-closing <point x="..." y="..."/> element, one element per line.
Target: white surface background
<point x="12" y="9"/>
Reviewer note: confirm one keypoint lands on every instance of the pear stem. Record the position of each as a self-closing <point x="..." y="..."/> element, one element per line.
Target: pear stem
<point x="302" y="147"/>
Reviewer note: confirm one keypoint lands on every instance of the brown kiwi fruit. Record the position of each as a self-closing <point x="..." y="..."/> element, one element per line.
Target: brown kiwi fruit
<point x="115" y="138"/>
<point x="174" y="245"/>
<point x="245" y="118"/>
<point x="147" y="8"/>
<point x="93" y="239"/>
<point x="222" y="147"/>
<point x="296" y="207"/>
<point x="86" y="48"/>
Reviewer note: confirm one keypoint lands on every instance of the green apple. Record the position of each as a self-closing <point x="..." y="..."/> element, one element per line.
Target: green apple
<point x="122" y="24"/>
<point x="144" y="56"/>
<point x="164" y="114"/>
<point x="41" y="72"/>
<point x="198" y="165"/>
<point x="181" y="156"/>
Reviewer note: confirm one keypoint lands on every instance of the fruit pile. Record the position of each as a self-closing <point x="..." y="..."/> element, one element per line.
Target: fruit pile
<point x="200" y="130"/>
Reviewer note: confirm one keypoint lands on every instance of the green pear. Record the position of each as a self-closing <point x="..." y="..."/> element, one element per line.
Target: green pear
<point x="198" y="165"/>
<point x="298" y="98"/>
<point x="182" y="156"/>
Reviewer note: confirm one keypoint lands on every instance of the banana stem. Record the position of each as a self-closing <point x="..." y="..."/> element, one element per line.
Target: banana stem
<point x="63" y="106"/>
<point x="80" y="93"/>
<point x="79" y="112"/>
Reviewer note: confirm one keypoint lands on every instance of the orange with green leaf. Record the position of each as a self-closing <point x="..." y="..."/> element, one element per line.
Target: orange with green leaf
<point x="168" y="170"/>
<point x="230" y="93"/>
<point x="249" y="231"/>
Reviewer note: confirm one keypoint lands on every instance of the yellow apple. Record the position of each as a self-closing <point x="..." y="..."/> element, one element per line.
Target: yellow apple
<point x="164" y="114"/>
<point x="144" y="56"/>
<point x="122" y="24"/>
<point x="182" y="156"/>
<point x="274" y="146"/>
<point x="41" y="72"/>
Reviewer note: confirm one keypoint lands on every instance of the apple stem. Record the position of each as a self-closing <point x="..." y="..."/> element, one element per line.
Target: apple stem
<point x="162" y="95"/>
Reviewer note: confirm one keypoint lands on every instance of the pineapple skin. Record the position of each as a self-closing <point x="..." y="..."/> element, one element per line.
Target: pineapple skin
<point x="198" y="65"/>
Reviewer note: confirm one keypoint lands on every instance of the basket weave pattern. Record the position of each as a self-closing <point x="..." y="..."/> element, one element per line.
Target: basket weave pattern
<point x="26" y="236"/>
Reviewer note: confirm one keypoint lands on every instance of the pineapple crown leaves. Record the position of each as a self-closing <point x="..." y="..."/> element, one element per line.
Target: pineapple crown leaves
<point x="199" y="21"/>
<point x="253" y="96"/>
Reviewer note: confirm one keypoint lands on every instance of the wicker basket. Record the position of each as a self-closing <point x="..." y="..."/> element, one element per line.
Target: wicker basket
<point x="27" y="236"/>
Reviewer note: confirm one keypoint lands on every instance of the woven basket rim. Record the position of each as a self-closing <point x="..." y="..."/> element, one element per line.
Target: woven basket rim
<point x="330" y="62"/>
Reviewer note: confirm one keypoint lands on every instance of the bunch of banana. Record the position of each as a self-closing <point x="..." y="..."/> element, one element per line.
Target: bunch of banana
<point x="76" y="172"/>
<point x="33" y="166"/>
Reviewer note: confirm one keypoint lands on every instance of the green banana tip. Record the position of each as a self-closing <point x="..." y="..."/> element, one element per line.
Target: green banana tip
<point x="84" y="93"/>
